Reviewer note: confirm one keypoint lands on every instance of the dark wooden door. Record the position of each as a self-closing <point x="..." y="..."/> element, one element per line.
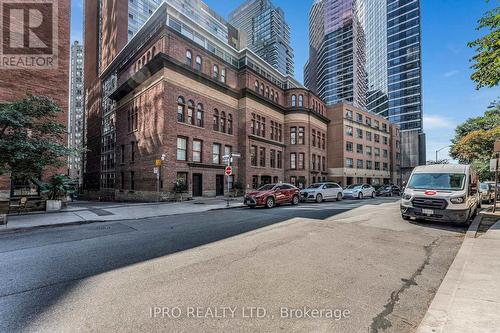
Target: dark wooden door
<point x="197" y="185"/>
<point x="219" y="185"/>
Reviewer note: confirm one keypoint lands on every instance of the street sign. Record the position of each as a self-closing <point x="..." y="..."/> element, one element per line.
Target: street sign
<point x="157" y="163"/>
<point x="163" y="157"/>
<point x="494" y="163"/>
<point x="228" y="171"/>
<point x="235" y="155"/>
<point x="156" y="171"/>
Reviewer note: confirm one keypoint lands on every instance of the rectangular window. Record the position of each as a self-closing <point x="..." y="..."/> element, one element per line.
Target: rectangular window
<point x="360" y="164"/>
<point x="369" y="165"/>
<point x="349" y="163"/>
<point x="181" y="149"/>
<point x="368" y="136"/>
<point x="293" y="161"/>
<point x="359" y="117"/>
<point x="253" y="155"/>
<point x="377" y="152"/>
<point x="314" y="138"/>
<point x="272" y="159"/>
<point x="323" y="143"/>
<point x="122" y="180"/>
<point x="376" y="138"/>
<point x="377" y="165"/>
<point x="293" y="135"/>
<point x="348" y="130"/>
<point x="262" y="155"/>
<point x="197" y="144"/>
<point x="385" y="166"/>
<point x="348" y="146"/>
<point x="122" y="153"/>
<point x="359" y="148"/>
<point x="386" y="153"/>
<point x="228" y="150"/>
<point x="386" y="141"/>
<point x="368" y="150"/>
<point x="216" y="153"/>
<point x="132" y="151"/>
<point x="301" y="165"/>
<point x="255" y="182"/>
<point x="132" y="180"/>
<point x="313" y="162"/>
<point x="324" y="163"/>
<point x="223" y="75"/>
<point x="348" y="114"/>
<point x="359" y="133"/>
<point x="301" y="136"/>
<point x="280" y="161"/>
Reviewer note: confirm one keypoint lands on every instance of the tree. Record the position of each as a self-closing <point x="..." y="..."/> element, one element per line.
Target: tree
<point x="487" y="59"/>
<point x="31" y="138"/>
<point x="474" y="140"/>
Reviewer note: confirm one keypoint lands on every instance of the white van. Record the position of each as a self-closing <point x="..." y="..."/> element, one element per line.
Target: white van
<point x="444" y="192"/>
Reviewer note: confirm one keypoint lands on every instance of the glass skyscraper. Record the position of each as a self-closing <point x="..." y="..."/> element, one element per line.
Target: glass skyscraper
<point x="265" y="32"/>
<point x="367" y="53"/>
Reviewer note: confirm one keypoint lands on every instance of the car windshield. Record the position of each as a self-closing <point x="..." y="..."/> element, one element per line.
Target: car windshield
<point x="353" y="187"/>
<point x="437" y="181"/>
<point x="315" y="186"/>
<point x="267" y="187"/>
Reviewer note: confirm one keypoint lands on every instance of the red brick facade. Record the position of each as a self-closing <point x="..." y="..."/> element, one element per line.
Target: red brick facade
<point x="53" y="83"/>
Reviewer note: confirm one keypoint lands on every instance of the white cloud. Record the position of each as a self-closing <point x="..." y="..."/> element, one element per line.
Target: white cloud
<point x="451" y="73"/>
<point x="432" y="122"/>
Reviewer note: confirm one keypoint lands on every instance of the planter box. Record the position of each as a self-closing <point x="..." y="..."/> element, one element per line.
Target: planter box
<point x="53" y="205"/>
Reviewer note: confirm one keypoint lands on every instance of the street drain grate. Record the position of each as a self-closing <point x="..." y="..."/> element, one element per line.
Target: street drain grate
<point x="103" y="228"/>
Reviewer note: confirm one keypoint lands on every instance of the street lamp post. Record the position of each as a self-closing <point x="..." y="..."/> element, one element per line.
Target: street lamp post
<point x="437" y="151"/>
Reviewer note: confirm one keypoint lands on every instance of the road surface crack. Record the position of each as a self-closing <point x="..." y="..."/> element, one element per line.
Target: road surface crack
<point x="380" y="322"/>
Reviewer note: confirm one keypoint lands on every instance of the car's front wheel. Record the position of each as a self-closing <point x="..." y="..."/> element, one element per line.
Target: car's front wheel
<point x="270" y="202"/>
<point x="295" y="200"/>
<point x="319" y="198"/>
<point x="339" y="197"/>
<point x="373" y="195"/>
<point x="360" y="195"/>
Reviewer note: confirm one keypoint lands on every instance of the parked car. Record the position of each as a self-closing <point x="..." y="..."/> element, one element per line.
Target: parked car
<point x="359" y="191"/>
<point x="322" y="191"/>
<point x="487" y="192"/>
<point x="271" y="195"/>
<point x="492" y="184"/>
<point x="388" y="191"/>
<point x="445" y="192"/>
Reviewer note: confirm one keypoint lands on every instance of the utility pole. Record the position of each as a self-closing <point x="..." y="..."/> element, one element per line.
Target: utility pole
<point x="437" y="151"/>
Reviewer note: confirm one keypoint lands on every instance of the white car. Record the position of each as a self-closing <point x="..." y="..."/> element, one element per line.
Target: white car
<point x="322" y="191"/>
<point x="360" y="191"/>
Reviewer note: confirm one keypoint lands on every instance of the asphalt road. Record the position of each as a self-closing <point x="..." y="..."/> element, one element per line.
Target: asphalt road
<point x="352" y="266"/>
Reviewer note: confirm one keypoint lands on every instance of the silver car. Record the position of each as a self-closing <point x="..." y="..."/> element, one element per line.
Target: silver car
<point x="487" y="191"/>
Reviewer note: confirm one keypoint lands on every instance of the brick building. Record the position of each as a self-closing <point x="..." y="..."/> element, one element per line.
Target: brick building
<point x="363" y="147"/>
<point x="50" y="81"/>
<point x="178" y="91"/>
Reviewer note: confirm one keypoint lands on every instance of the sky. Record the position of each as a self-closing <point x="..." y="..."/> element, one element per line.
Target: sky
<point x="449" y="97"/>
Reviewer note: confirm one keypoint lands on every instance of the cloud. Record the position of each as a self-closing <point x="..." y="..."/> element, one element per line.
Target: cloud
<point x="451" y="73"/>
<point x="432" y="122"/>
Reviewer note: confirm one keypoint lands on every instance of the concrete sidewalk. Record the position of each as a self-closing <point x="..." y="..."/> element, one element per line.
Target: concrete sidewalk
<point x="89" y="212"/>
<point x="468" y="299"/>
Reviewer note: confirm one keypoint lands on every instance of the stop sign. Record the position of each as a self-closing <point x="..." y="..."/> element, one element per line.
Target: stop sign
<point x="229" y="171"/>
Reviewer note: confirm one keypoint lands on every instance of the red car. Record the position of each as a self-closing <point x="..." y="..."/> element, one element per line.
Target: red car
<point x="271" y="195"/>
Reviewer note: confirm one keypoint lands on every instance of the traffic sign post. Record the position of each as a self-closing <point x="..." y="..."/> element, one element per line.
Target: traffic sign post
<point x="228" y="171"/>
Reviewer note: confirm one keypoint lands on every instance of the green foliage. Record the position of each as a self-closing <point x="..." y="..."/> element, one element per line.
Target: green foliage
<point x="474" y="140"/>
<point x="31" y="138"/>
<point x="180" y="186"/>
<point x="59" y="187"/>
<point x="487" y="59"/>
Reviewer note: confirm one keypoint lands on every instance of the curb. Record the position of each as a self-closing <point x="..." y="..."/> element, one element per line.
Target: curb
<point x="436" y="317"/>
<point x="66" y="224"/>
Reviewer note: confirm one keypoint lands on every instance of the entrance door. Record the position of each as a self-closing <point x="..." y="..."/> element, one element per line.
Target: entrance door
<point x="219" y="185"/>
<point x="197" y="185"/>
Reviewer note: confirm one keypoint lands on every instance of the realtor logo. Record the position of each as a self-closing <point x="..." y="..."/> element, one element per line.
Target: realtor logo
<point x="28" y="34"/>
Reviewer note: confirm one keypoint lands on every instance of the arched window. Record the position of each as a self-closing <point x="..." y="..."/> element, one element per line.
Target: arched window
<point x="277" y="97"/>
<point x="216" y="72"/>
<point x="143" y="60"/>
<point x="216" y="120"/>
<point x="272" y="94"/>
<point x="256" y="86"/>
<point x="229" y="124"/>
<point x="198" y="63"/>
<point x="223" y="122"/>
<point x="149" y="55"/>
<point x="294" y="100"/>
<point x="190" y="112"/>
<point x="199" y="115"/>
<point x="180" y="109"/>
<point x="262" y="89"/>
<point x="267" y="92"/>
<point x="140" y="64"/>
<point x="301" y="101"/>
<point x="223" y="75"/>
<point x="189" y="58"/>
<point x="154" y="51"/>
